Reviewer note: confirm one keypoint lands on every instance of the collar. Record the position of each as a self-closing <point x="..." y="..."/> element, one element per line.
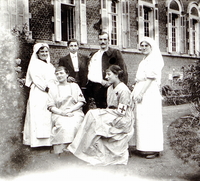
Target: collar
<point x="42" y="60"/>
<point x="109" y="51"/>
<point x="73" y="54"/>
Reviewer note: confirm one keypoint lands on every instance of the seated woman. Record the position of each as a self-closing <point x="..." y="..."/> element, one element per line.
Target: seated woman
<point x="66" y="107"/>
<point x="103" y="137"/>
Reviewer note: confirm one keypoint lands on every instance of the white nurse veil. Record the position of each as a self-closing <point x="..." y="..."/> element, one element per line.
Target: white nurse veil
<point x="154" y="56"/>
<point x="34" y="57"/>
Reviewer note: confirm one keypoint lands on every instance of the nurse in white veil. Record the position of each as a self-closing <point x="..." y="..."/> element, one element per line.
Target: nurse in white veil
<point x="148" y="102"/>
<point x="41" y="80"/>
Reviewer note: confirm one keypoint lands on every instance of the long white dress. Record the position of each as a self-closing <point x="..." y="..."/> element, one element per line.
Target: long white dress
<point x="148" y="113"/>
<point x="103" y="137"/>
<point x="37" y="126"/>
<point x="65" y="128"/>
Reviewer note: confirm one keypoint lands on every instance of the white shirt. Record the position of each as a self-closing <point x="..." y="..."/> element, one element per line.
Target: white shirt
<point x="95" y="67"/>
<point x="74" y="61"/>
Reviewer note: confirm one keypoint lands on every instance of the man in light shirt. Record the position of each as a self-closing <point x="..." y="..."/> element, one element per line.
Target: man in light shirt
<point x="98" y="63"/>
<point x="77" y="64"/>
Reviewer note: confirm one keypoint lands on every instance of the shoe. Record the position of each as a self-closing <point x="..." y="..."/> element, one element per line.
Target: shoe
<point x="152" y="156"/>
<point x="59" y="154"/>
<point x="66" y="150"/>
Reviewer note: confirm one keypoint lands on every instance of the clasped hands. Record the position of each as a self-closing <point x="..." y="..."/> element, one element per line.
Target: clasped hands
<point x="138" y="98"/>
<point x="67" y="112"/>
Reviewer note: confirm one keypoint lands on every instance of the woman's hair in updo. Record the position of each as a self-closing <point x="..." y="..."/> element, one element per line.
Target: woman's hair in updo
<point x="62" y="68"/>
<point x="116" y="69"/>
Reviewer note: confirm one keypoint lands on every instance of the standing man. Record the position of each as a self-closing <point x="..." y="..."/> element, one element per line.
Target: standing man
<point x="98" y="63"/>
<point x="77" y="64"/>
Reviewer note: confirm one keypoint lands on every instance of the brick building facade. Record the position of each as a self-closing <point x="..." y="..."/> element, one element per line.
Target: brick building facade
<point x="174" y="24"/>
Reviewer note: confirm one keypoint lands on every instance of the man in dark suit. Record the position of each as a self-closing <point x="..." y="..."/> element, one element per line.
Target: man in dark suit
<point x="98" y="63"/>
<point x="77" y="64"/>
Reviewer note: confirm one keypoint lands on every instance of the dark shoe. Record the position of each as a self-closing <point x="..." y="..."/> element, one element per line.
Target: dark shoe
<point x="152" y="156"/>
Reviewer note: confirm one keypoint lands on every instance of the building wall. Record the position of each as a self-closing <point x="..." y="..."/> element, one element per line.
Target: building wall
<point x="41" y="19"/>
<point x="42" y="28"/>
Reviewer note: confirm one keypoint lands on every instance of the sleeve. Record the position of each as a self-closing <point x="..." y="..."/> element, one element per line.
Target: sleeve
<point x="37" y="75"/>
<point x="83" y="72"/>
<point x="124" y="97"/>
<point x="152" y="70"/>
<point x="50" y="103"/>
<point x="53" y="100"/>
<point x="61" y="62"/>
<point x="122" y="64"/>
<point x="77" y="93"/>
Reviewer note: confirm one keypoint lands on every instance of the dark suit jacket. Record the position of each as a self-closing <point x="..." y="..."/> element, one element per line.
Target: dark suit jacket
<point x="113" y="57"/>
<point x="81" y="76"/>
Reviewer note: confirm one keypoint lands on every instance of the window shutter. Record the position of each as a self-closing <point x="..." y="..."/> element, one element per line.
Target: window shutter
<point x="199" y="38"/>
<point x="191" y="50"/>
<point x="125" y="24"/>
<point x="140" y="23"/>
<point x="104" y="16"/>
<point x="26" y="12"/>
<point x="20" y="14"/>
<point x="83" y="23"/>
<point x="169" y="32"/>
<point x="57" y="20"/>
<point x="13" y="12"/>
<point x="156" y="25"/>
<point x="197" y="51"/>
<point x="4" y="12"/>
<point x="182" y="35"/>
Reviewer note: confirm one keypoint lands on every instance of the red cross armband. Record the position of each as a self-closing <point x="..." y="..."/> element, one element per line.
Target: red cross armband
<point x="122" y="108"/>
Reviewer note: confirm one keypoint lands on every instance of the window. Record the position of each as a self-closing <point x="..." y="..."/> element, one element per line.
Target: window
<point x="175" y="27"/>
<point x="125" y="24"/>
<point x="14" y="13"/>
<point x="148" y="20"/>
<point x="174" y="32"/>
<point x="68" y="22"/>
<point x="194" y="31"/>
<point x="194" y="34"/>
<point x="115" y="21"/>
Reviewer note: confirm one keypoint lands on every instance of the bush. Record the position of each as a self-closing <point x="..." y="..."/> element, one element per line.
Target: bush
<point x="174" y="96"/>
<point x="184" y="133"/>
<point x="191" y="82"/>
<point x="184" y="138"/>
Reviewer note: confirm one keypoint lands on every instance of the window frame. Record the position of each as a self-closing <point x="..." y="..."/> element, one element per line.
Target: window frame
<point x="80" y="23"/>
<point x="68" y="24"/>
<point x="114" y="26"/>
<point x="194" y="48"/>
<point x="180" y="29"/>
<point x="153" y="20"/>
<point x="13" y="16"/>
<point x="122" y="34"/>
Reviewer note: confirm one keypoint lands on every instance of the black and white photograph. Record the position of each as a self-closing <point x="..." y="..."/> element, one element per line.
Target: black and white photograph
<point x="100" y="90"/>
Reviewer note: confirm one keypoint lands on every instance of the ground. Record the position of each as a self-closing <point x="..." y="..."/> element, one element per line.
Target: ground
<point x="167" y="167"/>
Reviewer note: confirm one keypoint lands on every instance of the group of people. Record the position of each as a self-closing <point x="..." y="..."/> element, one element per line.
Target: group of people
<point x="59" y="112"/>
